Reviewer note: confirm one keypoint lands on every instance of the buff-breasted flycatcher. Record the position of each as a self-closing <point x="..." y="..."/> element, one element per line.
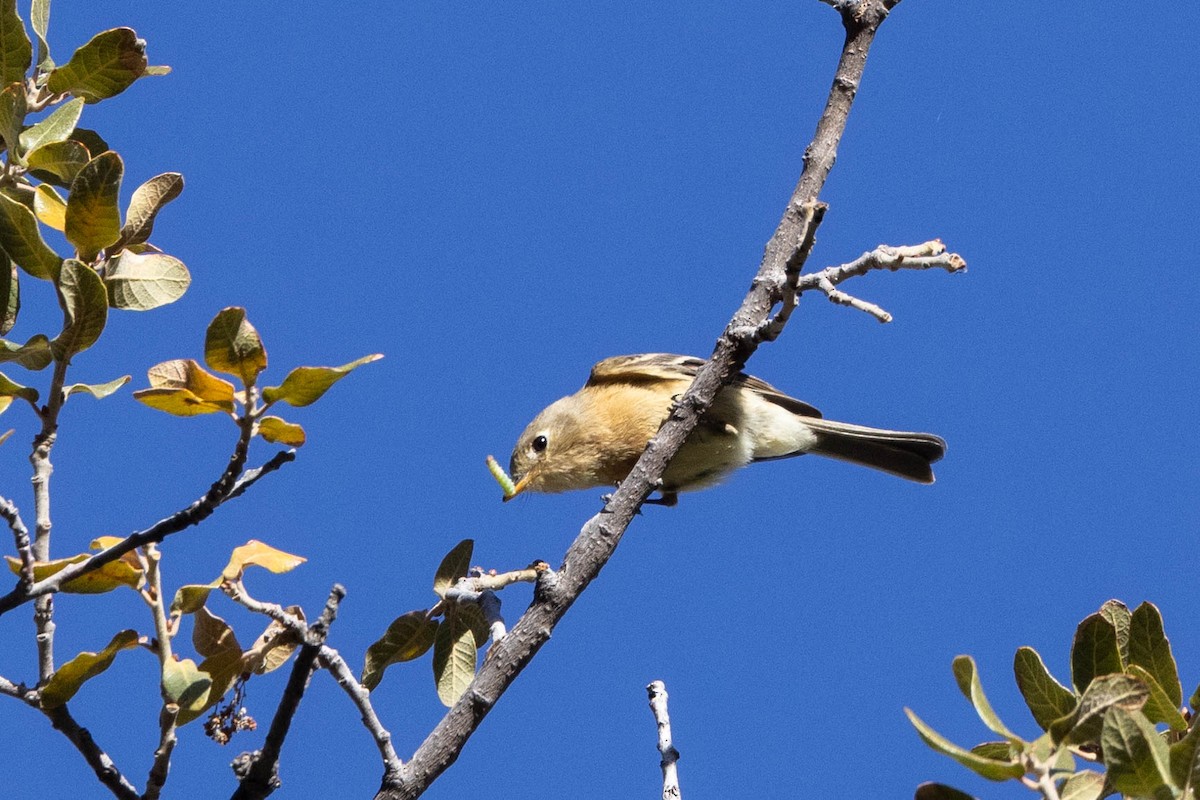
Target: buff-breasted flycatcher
<point x="594" y="437"/>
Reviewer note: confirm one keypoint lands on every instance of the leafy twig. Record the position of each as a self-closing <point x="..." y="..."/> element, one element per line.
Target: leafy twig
<point x="231" y="484"/>
<point x="170" y="710"/>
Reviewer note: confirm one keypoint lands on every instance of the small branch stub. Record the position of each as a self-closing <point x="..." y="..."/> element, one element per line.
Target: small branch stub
<point x="657" y="693"/>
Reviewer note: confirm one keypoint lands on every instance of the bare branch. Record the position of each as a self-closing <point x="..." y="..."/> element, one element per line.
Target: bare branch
<point x="930" y="255"/>
<point x="331" y="660"/>
<point x="21" y="538"/>
<point x="258" y="772"/>
<point x="106" y="771"/>
<point x="231" y="484"/>
<point x="657" y="692"/>
<point x="554" y="593"/>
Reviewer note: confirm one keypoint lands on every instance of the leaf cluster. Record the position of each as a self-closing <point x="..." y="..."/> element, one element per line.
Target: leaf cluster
<point x="111" y="263"/>
<point x="455" y="628"/>
<point x="183" y="388"/>
<point x="1123" y="712"/>
<point x="191" y="687"/>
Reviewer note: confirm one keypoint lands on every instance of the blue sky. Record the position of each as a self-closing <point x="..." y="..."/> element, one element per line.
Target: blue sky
<point x="496" y="196"/>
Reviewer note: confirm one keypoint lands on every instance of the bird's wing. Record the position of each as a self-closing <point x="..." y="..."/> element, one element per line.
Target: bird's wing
<point x="650" y="367"/>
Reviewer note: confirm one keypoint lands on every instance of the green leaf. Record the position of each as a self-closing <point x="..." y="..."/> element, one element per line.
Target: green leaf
<point x="16" y="51"/>
<point x="988" y="768"/>
<point x="147" y="200"/>
<point x="214" y="639"/>
<point x="1085" y="785"/>
<point x="9" y="388"/>
<point x="191" y="598"/>
<point x="278" y="431"/>
<point x="10" y="294"/>
<point x="967" y="676"/>
<point x="49" y="207"/>
<point x="102" y="68"/>
<point x="453" y="566"/>
<point x="186" y="686"/>
<point x="93" y="218"/>
<point x="1159" y="707"/>
<point x="940" y="791"/>
<point x="997" y="751"/>
<point x="1137" y="758"/>
<point x="1047" y="698"/>
<point x="85" y="309"/>
<point x="257" y="554"/>
<point x="56" y="127"/>
<point x="187" y="374"/>
<point x="1184" y="764"/>
<point x="1117" y="613"/>
<point x="1083" y="725"/>
<point x="93" y="141"/>
<point x="177" y="402"/>
<point x="232" y="346"/>
<point x="408" y="637"/>
<point x="96" y="390"/>
<point x="454" y="647"/>
<point x="33" y="355"/>
<point x="1094" y="652"/>
<point x="305" y="385"/>
<point x="1149" y="648"/>
<point x="22" y="242"/>
<point x="12" y="117"/>
<point x="58" y="162"/>
<point x="141" y="282"/>
<point x="39" y="17"/>
<point x="65" y="682"/>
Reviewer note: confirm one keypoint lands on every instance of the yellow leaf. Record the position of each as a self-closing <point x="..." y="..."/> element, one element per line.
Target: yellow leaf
<point x="49" y="207"/>
<point x="273" y="648"/>
<point x="180" y="402"/>
<point x="63" y="685"/>
<point x="105" y="579"/>
<point x="255" y="553"/>
<point x="278" y="431"/>
<point x="186" y="373"/>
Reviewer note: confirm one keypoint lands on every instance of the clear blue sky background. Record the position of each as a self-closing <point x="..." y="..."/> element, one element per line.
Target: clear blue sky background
<point x="496" y="196"/>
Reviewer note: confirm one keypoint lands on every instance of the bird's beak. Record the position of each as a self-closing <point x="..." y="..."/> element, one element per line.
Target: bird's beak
<point x="519" y="487"/>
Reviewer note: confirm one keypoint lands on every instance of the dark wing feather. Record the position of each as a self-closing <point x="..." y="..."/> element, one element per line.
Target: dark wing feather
<point x="651" y="367"/>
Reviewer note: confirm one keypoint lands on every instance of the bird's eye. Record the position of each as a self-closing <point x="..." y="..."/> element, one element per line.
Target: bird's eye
<point x="539" y="444"/>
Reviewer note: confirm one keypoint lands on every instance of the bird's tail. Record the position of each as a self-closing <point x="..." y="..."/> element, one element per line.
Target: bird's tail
<point x="903" y="453"/>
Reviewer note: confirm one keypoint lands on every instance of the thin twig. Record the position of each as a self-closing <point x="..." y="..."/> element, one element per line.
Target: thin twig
<point x="331" y="660"/>
<point x="12" y="516"/>
<point x="657" y="693"/>
<point x="39" y="459"/>
<point x="554" y="593"/>
<point x="231" y="484"/>
<point x="169" y="713"/>
<point x="260" y="777"/>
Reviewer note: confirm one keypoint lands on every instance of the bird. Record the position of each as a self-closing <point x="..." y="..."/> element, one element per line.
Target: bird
<point x="594" y="437"/>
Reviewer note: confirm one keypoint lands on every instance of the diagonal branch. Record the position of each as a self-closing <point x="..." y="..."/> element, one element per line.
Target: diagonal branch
<point x="96" y="758"/>
<point x="232" y="483"/>
<point x="555" y="592"/>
